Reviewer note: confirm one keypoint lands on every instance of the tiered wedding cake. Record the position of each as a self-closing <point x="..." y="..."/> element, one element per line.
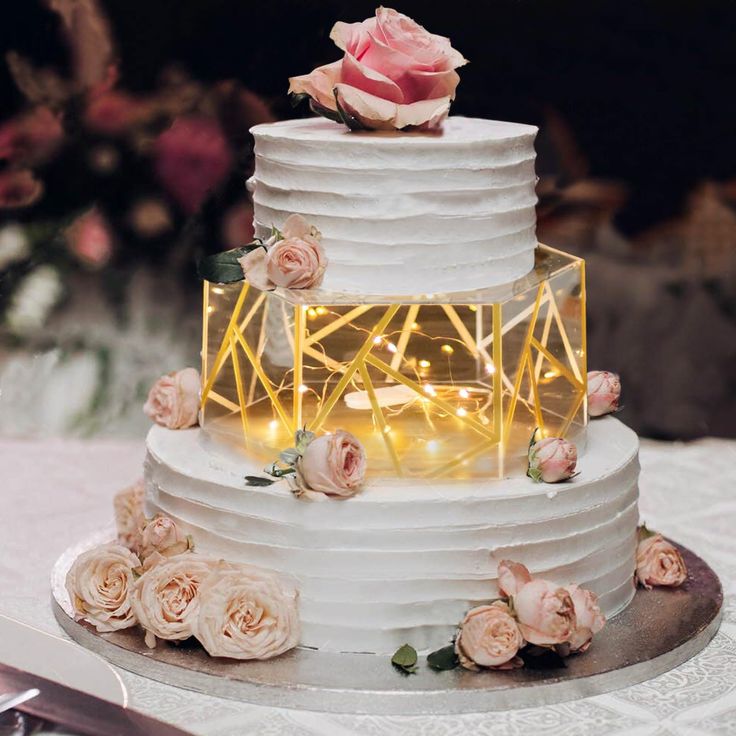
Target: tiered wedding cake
<point x="441" y="337"/>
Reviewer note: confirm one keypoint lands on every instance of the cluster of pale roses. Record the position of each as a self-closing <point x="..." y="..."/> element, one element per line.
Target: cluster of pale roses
<point x="535" y="612"/>
<point x="553" y="459"/>
<point x="151" y="577"/>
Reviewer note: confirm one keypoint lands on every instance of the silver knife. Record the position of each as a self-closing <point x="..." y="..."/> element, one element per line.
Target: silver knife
<point x="79" y="712"/>
<point x="13" y="700"/>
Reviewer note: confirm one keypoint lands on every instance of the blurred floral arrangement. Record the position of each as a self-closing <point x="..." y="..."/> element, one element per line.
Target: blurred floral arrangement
<point x="98" y="180"/>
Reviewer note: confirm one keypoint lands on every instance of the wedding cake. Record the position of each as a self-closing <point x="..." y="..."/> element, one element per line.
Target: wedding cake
<point x="441" y="336"/>
<point x="393" y="444"/>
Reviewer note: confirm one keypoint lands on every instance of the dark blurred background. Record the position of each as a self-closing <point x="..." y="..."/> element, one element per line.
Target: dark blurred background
<point x="124" y="149"/>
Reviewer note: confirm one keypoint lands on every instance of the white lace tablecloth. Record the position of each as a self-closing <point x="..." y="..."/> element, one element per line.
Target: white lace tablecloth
<point x="56" y="491"/>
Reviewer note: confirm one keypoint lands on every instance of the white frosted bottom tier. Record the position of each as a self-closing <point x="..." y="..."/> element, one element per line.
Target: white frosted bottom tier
<point x="402" y="562"/>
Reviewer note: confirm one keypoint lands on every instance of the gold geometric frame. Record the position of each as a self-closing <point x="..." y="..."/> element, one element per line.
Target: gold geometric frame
<point x="515" y="388"/>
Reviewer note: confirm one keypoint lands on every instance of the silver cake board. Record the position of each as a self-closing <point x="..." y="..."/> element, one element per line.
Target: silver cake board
<point x="659" y="630"/>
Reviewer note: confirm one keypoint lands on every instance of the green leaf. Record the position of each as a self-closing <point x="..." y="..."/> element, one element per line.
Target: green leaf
<point x="325" y="112"/>
<point x="443" y="659"/>
<point x="256" y="480"/>
<point x="352" y="122"/>
<point x="405" y="659"/>
<point x="535" y="474"/>
<point x="290" y="456"/>
<point x="645" y="532"/>
<point x="541" y="658"/>
<point x="223" y="268"/>
<point x="278" y="472"/>
<point x="296" y="98"/>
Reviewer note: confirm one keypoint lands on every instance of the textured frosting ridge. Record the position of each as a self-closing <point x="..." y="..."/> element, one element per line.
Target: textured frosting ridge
<point x="404" y="561"/>
<point x="404" y="213"/>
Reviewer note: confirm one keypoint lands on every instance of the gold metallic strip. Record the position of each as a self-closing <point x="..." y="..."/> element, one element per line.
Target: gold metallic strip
<point x="361" y="355"/>
<point x="498" y="373"/>
<point x="573" y="411"/>
<point x="535" y="393"/>
<point x="259" y="350"/>
<point x="336" y="324"/>
<point x="258" y="368"/>
<point x="488" y="339"/>
<point x="403" y="341"/>
<point x="584" y="336"/>
<point x="239" y="387"/>
<point x="296" y="412"/>
<point x="225" y="346"/>
<point x="441" y="403"/>
<point x="218" y="399"/>
<point x="203" y="356"/>
<point x="565" y="341"/>
<point x="522" y="362"/>
<point x="461" y="329"/>
<point x="544" y="341"/>
<point x="561" y="367"/>
<point x="380" y="419"/>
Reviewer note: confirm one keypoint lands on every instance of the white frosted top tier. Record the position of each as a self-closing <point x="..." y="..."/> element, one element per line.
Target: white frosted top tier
<point x="404" y="213"/>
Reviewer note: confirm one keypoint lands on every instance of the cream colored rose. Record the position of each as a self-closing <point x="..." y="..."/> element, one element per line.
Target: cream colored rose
<point x="161" y="535"/>
<point x="489" y="637"/>
<point x="246" y="613"/>
<point x="659" y="563"/>
<point x="333" y="464"/>
<point x="165" y="598"/>
<point x="173" y="401"/>
<point x="99" y="585"/>
<point x="129" y="515"/>
<point x="589" y="618"/>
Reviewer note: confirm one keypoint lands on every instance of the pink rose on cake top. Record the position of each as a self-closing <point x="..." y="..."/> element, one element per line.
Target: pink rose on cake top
<point x="604" y="392"/>
<point x="551" y="460"/>
<point x="394" y="75"/>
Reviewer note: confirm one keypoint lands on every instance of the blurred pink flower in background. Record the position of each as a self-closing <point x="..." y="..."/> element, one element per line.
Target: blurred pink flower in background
<point x="115" y="113"/>
<point x="19" y="188"/>
<point x="90" y="240"/>
<point x="237" y="225"/>
<point x="31" y="137"/>
<point x="192" y="158"/>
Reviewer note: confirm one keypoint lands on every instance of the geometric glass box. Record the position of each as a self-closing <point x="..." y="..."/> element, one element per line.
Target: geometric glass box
<point x="443" y="385"/>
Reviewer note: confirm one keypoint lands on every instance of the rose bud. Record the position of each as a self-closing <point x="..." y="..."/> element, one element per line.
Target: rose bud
<point x="333" y="464"/>
<point x="604" y="392"/>
<point x="552" y="460"/>
<point x="489" y="637"/>
<point x="173" y="401"/>
<point x="659" y="563"/>
<point x="161" y="535"/>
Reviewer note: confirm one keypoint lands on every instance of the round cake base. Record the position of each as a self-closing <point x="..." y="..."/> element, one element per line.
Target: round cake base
<point x="659" y="630"/>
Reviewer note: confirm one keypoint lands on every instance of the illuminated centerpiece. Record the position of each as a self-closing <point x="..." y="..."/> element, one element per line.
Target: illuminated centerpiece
<point x="446" y="386"/>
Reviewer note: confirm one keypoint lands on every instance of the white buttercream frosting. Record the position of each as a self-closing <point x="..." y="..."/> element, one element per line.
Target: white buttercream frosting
<point x="404" y="213"/>
<point x="403" y="561"/>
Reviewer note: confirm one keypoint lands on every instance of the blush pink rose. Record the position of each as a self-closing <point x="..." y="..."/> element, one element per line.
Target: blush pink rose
<point x="162" y="536"/>
<point x="552" y="460"/>
<point x="489" y="637"/>
<point x="19" y="188"/>
<point x="129" y="515"/>
<point x="165" y="599"/>
<point x="173" y="401"/>
<point x="90" y="240"/>
<point x="333" y="464"/>
<point x="604" y="392"/>
<point x="659" y="563"/>
<point x="246" y="613"/>
<point x="297" y="261"/>
<point x="394" y="74"/>
<point x="192" y="158"/>
<point x="31" y="138"/>
<point x="589" y="618"/>
<point x="545" y="612"/>
<point x="99" y="585"/>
